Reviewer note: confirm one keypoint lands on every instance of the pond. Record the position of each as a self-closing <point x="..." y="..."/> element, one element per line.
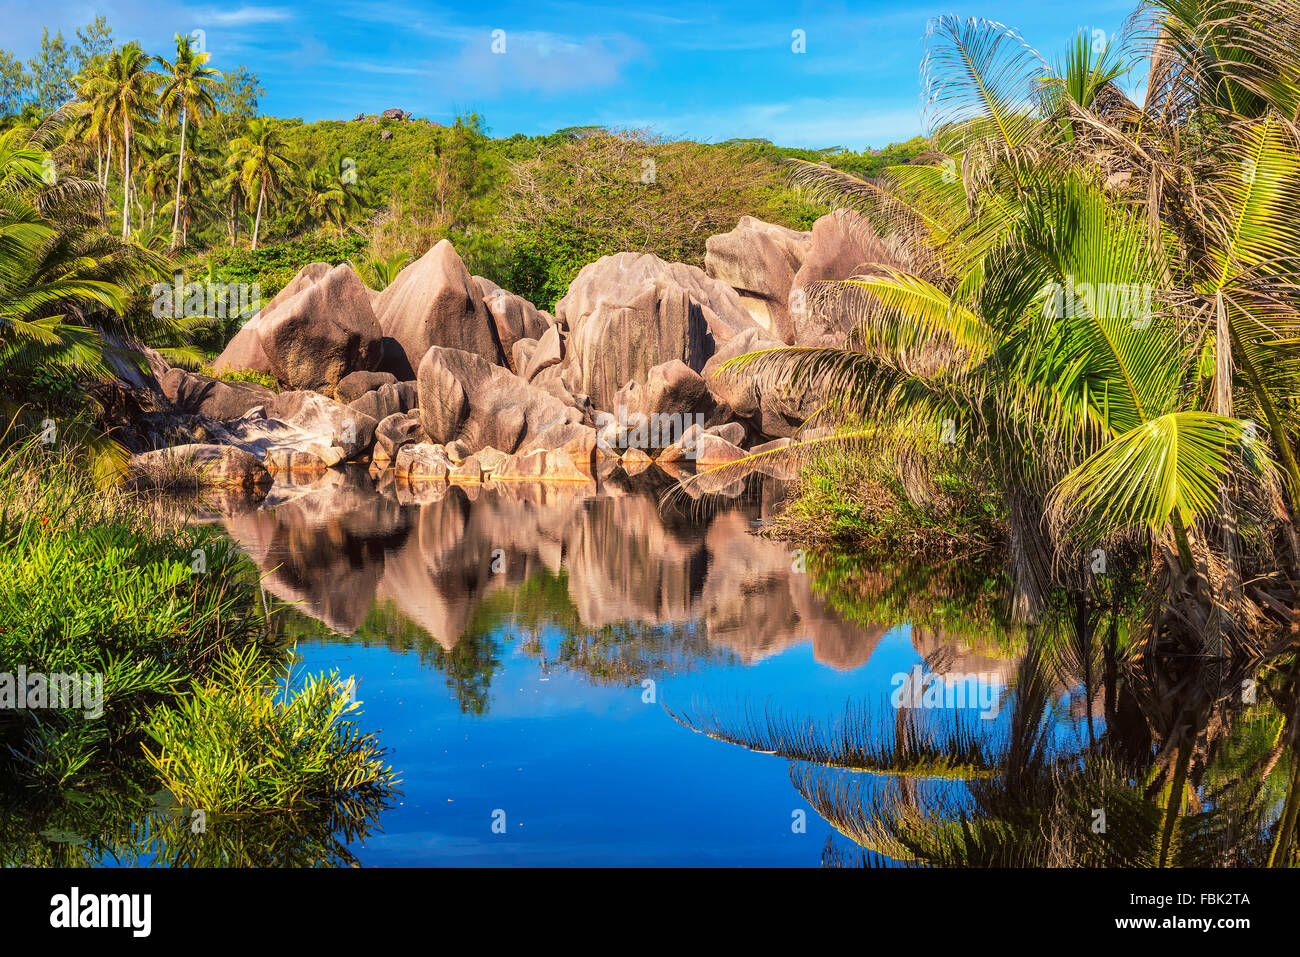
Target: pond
<point x="526" y="652"/>
<point x="622" y="673"/>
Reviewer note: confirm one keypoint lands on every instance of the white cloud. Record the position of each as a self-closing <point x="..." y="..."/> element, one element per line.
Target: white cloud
<point x="241" y="16"/>
<point x="539" y="62"/>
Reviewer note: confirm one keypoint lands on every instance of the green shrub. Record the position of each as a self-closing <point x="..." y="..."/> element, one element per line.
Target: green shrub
<point x="243" y="375"/>
<point x="243" y="743"/>
<point x="88" y="586"/>
<point x="272" y="266"/>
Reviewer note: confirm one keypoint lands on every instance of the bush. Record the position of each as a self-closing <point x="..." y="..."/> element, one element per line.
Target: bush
<point x="273" y="266"/>
<point x="88" y="586"/>
<point x="243" y="375"/>
<point x="242" y="743"/>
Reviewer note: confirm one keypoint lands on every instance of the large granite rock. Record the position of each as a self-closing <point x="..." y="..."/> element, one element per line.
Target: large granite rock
<point x="422" y="461"/>
<point x="245" y="351"/>
<point x="759" y="260"/>
<point x="435" y="302"/>
<point x="620" y="341"/>
<point x="513" y="317"/>
<point x="843" y="244"/>
<point x="200" y="466"/>
<point x="322" y="334"/>
<point x="387" y="399"/>
<point x="540" y="465"/>
<point x="548" y="352"/>
<point x="629" y="312"/>
<point x="303" y="422"/>
<point x="770" y="411"/>
<point x="464" y="397"/>
<point x="738" y="390"/>
<point x="356" y="384"/>
<point x="396" y="431"/>
<point x="195" y="394"/>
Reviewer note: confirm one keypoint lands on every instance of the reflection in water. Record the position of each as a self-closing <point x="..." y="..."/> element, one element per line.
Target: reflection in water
<point x="126" y="829"/>
<point x="1195" y="766"/>
<point x="453" y="562"/>
<point x="555" y="614"/>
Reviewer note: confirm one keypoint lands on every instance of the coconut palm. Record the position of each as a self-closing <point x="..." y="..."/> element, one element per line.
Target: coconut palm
<point x="357" y="191"/>
<point x="380" y="271"/>
<point x="187" y="93"/>
<point x="261" y="157"/>
<point x="70" y="293"/>
<point x="1184" y="772"/>
<point x="126" y="93"/>
<point x="321" y="200"/>
<point x="1085" y="291"/>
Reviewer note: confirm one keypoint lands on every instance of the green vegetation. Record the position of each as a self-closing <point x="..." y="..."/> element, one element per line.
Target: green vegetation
<point x="166" y="618"/>
<point x="1123" y="440"/>
<point x="241" y="743"/>
<point x="1093" y="310"/>
<point x="844" y="498"/>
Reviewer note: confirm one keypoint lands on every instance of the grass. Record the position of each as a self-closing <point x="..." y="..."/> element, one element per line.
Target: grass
<point x="97" y="582"/>
<point x="845" y="499"/>
<point x="242" y="375"/>
<point x="241" y="742"/>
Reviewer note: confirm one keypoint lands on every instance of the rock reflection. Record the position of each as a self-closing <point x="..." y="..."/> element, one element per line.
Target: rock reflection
<point x="621" y="552"/>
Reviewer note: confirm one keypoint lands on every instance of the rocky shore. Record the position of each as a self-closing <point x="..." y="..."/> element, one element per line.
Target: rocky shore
<point x="446" y="377"/>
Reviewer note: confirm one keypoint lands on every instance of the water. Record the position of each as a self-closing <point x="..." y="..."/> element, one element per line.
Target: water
<point x="522" y="652"/>
<point x="611" y="674"/>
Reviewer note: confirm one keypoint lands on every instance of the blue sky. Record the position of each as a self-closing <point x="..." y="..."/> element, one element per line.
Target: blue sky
<point x="704" y="71"/>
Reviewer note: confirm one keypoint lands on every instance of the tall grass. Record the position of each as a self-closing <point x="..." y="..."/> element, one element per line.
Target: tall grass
<point x="111" y="583"/>
<point x="91" y="582"/>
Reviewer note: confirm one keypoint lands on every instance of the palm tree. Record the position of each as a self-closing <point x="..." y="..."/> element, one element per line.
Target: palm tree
<point x="356" y="190"/>
<point x="93" y="105"/>
<point x="261" y="156"/>
<point x="125" y="92"/>
<point x="204" y="163"/>
<point x="322" y="200"/>
<point x="187" y="93"/>
<point x="1116" y="411"/>
<point x="65" y="284"/>
<point x="235" y="199"/>
<point x="380" y="271"/>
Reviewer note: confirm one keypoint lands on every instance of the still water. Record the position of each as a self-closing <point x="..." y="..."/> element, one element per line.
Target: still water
<point x="525" y="653"/>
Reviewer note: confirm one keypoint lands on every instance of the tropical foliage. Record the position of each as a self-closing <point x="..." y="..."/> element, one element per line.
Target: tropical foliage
<point x="1092" y="303"/>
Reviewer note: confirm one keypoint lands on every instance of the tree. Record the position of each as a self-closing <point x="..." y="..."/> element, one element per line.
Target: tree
<point x="65" y="283"/>
<point x="187" y="92"/>
<point x="52" y="72"/>
<point x="94" y="44"/>
<point x="261" y="156"/>
<point x="236" y="96"/>
<point x="998" y="333"/>
<point x="591" y="193"/>
<point x="15" y="84"/>
<point x="126" y="93"/>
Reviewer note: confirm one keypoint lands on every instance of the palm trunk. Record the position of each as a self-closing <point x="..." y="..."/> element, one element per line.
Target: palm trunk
<point x="180" y="174"/>
<point x="99" y="178"/>
<point x="257" y="222"/>
<point x="1177" y="791"/>
<point x="103" y="196"/>
<point x="126" y="182"/>
<point x="1278" y="854"/>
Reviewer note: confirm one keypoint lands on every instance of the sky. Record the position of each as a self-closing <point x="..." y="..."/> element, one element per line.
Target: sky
<point x="703" y="71"/>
